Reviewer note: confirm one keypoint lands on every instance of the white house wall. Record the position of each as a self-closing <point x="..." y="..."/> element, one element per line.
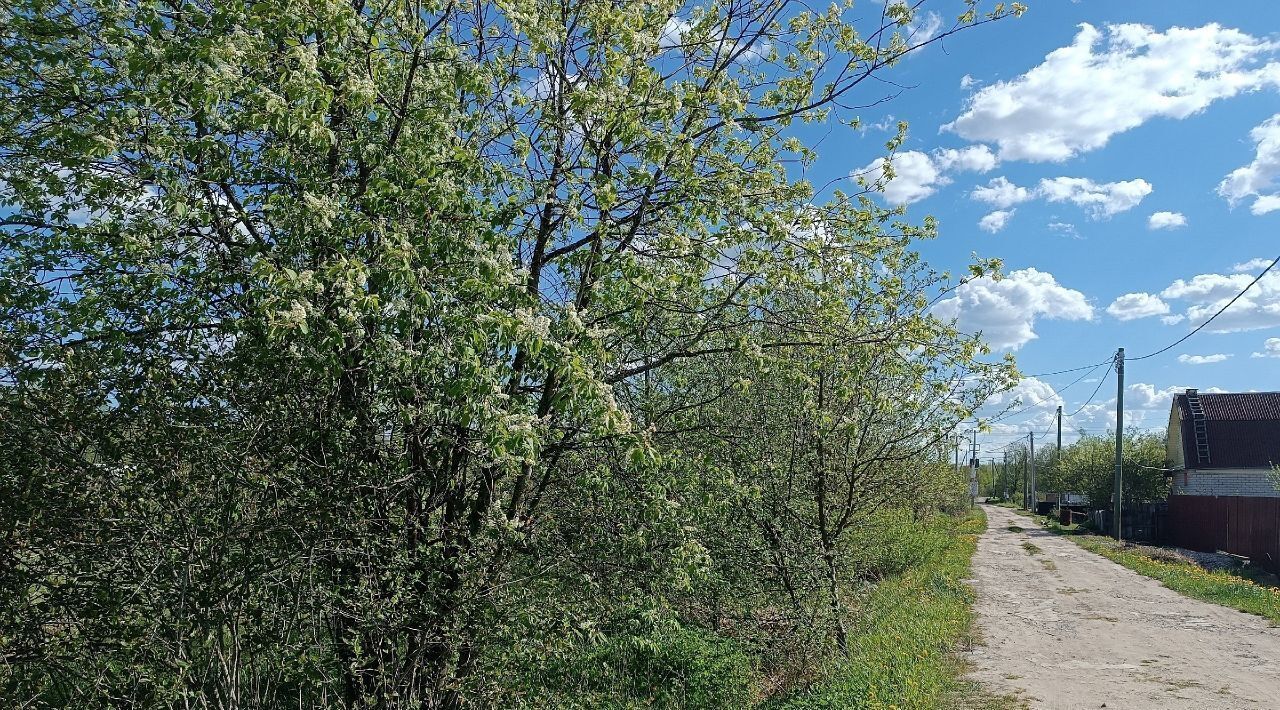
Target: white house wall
<point x="1226" y="482"/>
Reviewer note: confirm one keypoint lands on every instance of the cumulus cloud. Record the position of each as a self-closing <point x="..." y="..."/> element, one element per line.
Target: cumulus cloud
<point x="975" y="158"/>
<point x="1257" y="179"/>
<point x="1005" y="311"/>
<point x="967" y="81"/>
<point x="1205" y="294"/>
<point x="1099" y="200"/>
<point x="1270" y="348"/>
<point x="1113" y="80"/>
<point x="1251" y="266"/>
<point x="1146" y="406"/>
<point x="1265" y="204"/>
<point x="916" y="175"/>
<point x="1202" y="359"/>
<point x="1001" y="193"/>
<point x="1132" y="306"/>
<point x="995" y="221"/>
<point x="1166" y="220"/>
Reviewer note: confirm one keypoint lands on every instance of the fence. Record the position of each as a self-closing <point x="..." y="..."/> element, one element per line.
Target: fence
<point x="1240" y="525"/>
<point x="1142" y="522"/>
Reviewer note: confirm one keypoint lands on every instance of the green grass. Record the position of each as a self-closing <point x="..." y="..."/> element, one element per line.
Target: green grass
<point x="1220" y="587"/>
<point x="902" y="654"/>
<point x="1229" y="589"/>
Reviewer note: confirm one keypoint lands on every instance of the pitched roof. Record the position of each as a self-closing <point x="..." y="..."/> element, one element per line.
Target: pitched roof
<point x="1243" y="429"/>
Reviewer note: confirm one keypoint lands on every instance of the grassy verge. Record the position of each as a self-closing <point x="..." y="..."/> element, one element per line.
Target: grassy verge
<point x="1227" y="588"/>
<point x="903" y="653"/>
<point x="1220" y="587"/>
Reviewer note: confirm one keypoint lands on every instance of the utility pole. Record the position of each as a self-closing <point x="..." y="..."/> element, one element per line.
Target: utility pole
<point x="1004" y="474"/>
<point x="1057" y="459"/>
<point x="973" y="470"/>
<point x="1024" y="479"/>
<point x="1032" y="458"/>
<point x="957" y="456"/>
<point x="1058" y="451"/>
<point x="1119" y="492"/>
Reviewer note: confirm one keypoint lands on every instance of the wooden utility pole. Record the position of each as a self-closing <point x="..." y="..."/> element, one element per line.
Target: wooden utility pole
<point x="1118" y="502"/>
<point x="1058" y="452"/>
<point x="1004" y="474"/>
<point x="1024" y="479"/>
<point x="1057" y="459"/>
<point x="1032" y="458"/>
<point x="973" y="470"/>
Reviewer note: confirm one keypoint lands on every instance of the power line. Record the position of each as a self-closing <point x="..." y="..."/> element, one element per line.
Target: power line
<point x="1074" y="369"/>
<point x="1037" y="403"/>
<point x="1095" y="391"/>
<point x="1177" y="342"/>
<point x="1197" y="329"/>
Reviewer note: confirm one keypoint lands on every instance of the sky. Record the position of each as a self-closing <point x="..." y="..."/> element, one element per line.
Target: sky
<point x="1123" y="160"/>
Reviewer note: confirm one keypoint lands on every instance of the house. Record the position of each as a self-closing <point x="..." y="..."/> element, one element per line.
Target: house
<point x="1222" y="450"/>
<point x="1224" y="444"/>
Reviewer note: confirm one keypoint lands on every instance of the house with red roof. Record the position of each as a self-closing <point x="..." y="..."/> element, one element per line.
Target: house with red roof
<point x="1223" y="449"/>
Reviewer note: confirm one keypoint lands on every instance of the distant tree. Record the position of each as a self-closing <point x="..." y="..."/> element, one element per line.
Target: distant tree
<point x="1087" y="466"/>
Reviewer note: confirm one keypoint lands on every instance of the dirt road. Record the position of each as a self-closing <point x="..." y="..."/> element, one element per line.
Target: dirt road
<point x="1065" y="628"/>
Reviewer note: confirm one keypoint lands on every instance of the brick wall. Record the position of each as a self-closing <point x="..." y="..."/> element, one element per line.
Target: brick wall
<point x="1251" y="482"/>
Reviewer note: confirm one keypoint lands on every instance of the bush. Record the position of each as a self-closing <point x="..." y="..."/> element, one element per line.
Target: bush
<point x="668" y="668"/>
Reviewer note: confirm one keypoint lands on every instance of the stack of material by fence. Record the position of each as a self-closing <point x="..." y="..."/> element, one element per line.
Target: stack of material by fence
<point x="1248" y="526"/>
<point x="1143" y="522"/>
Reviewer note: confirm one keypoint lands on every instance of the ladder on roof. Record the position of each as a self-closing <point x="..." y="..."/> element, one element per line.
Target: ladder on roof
<point x="1198" y="426"/>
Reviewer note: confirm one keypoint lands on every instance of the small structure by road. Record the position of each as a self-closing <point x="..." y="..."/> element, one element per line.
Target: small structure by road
<point x="1222" y="449"/>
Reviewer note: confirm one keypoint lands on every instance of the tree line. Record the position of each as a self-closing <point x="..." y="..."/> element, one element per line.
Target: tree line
<point x="414" y="354"/>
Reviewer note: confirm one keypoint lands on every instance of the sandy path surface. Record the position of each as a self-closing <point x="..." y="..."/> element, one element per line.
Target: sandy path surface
<point x="1065" y="628"/>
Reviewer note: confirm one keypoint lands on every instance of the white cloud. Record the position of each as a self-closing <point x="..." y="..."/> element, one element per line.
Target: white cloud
<point x="1100" y="200"/>
<point x="1065" y="228"/>
<point x="1202" y="359"/>
<point x="924" y="28"/>
<point x="976" y="158"/>
<point x="917" y="175"/>
<point x="1166" y="220"/>
<point x="1258" y="177"/>
<point x="673" y="32"/>
<point x="1132" y="306"/>
<point x="1001" y="193"/>
<point x="1174" y="319"/>
<point x="1110" y="81"/>
<point x="1037" y="397"/>
<point x="967" y="81"/>
<point x="1006" y="310"/>
<point x="1270" y="348"/>
<point x="1146" y="407"/>
<point x="1205" y="294"/>
<point x="1251" y="266"/>
<point x="1265" y="204"/>
<point x="995" y="221"/>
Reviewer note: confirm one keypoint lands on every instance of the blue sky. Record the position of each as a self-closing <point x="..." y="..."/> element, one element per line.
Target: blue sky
<point x="1118" y="157"/>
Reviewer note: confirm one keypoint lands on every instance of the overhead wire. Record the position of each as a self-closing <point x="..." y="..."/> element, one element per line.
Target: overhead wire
<point x="1095" y="391"/>
<point x="1220" y="311"/>
<point x="1177" y="342"/>
<point x="1039" y="402"/>
<point x="1112" y="361"/>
